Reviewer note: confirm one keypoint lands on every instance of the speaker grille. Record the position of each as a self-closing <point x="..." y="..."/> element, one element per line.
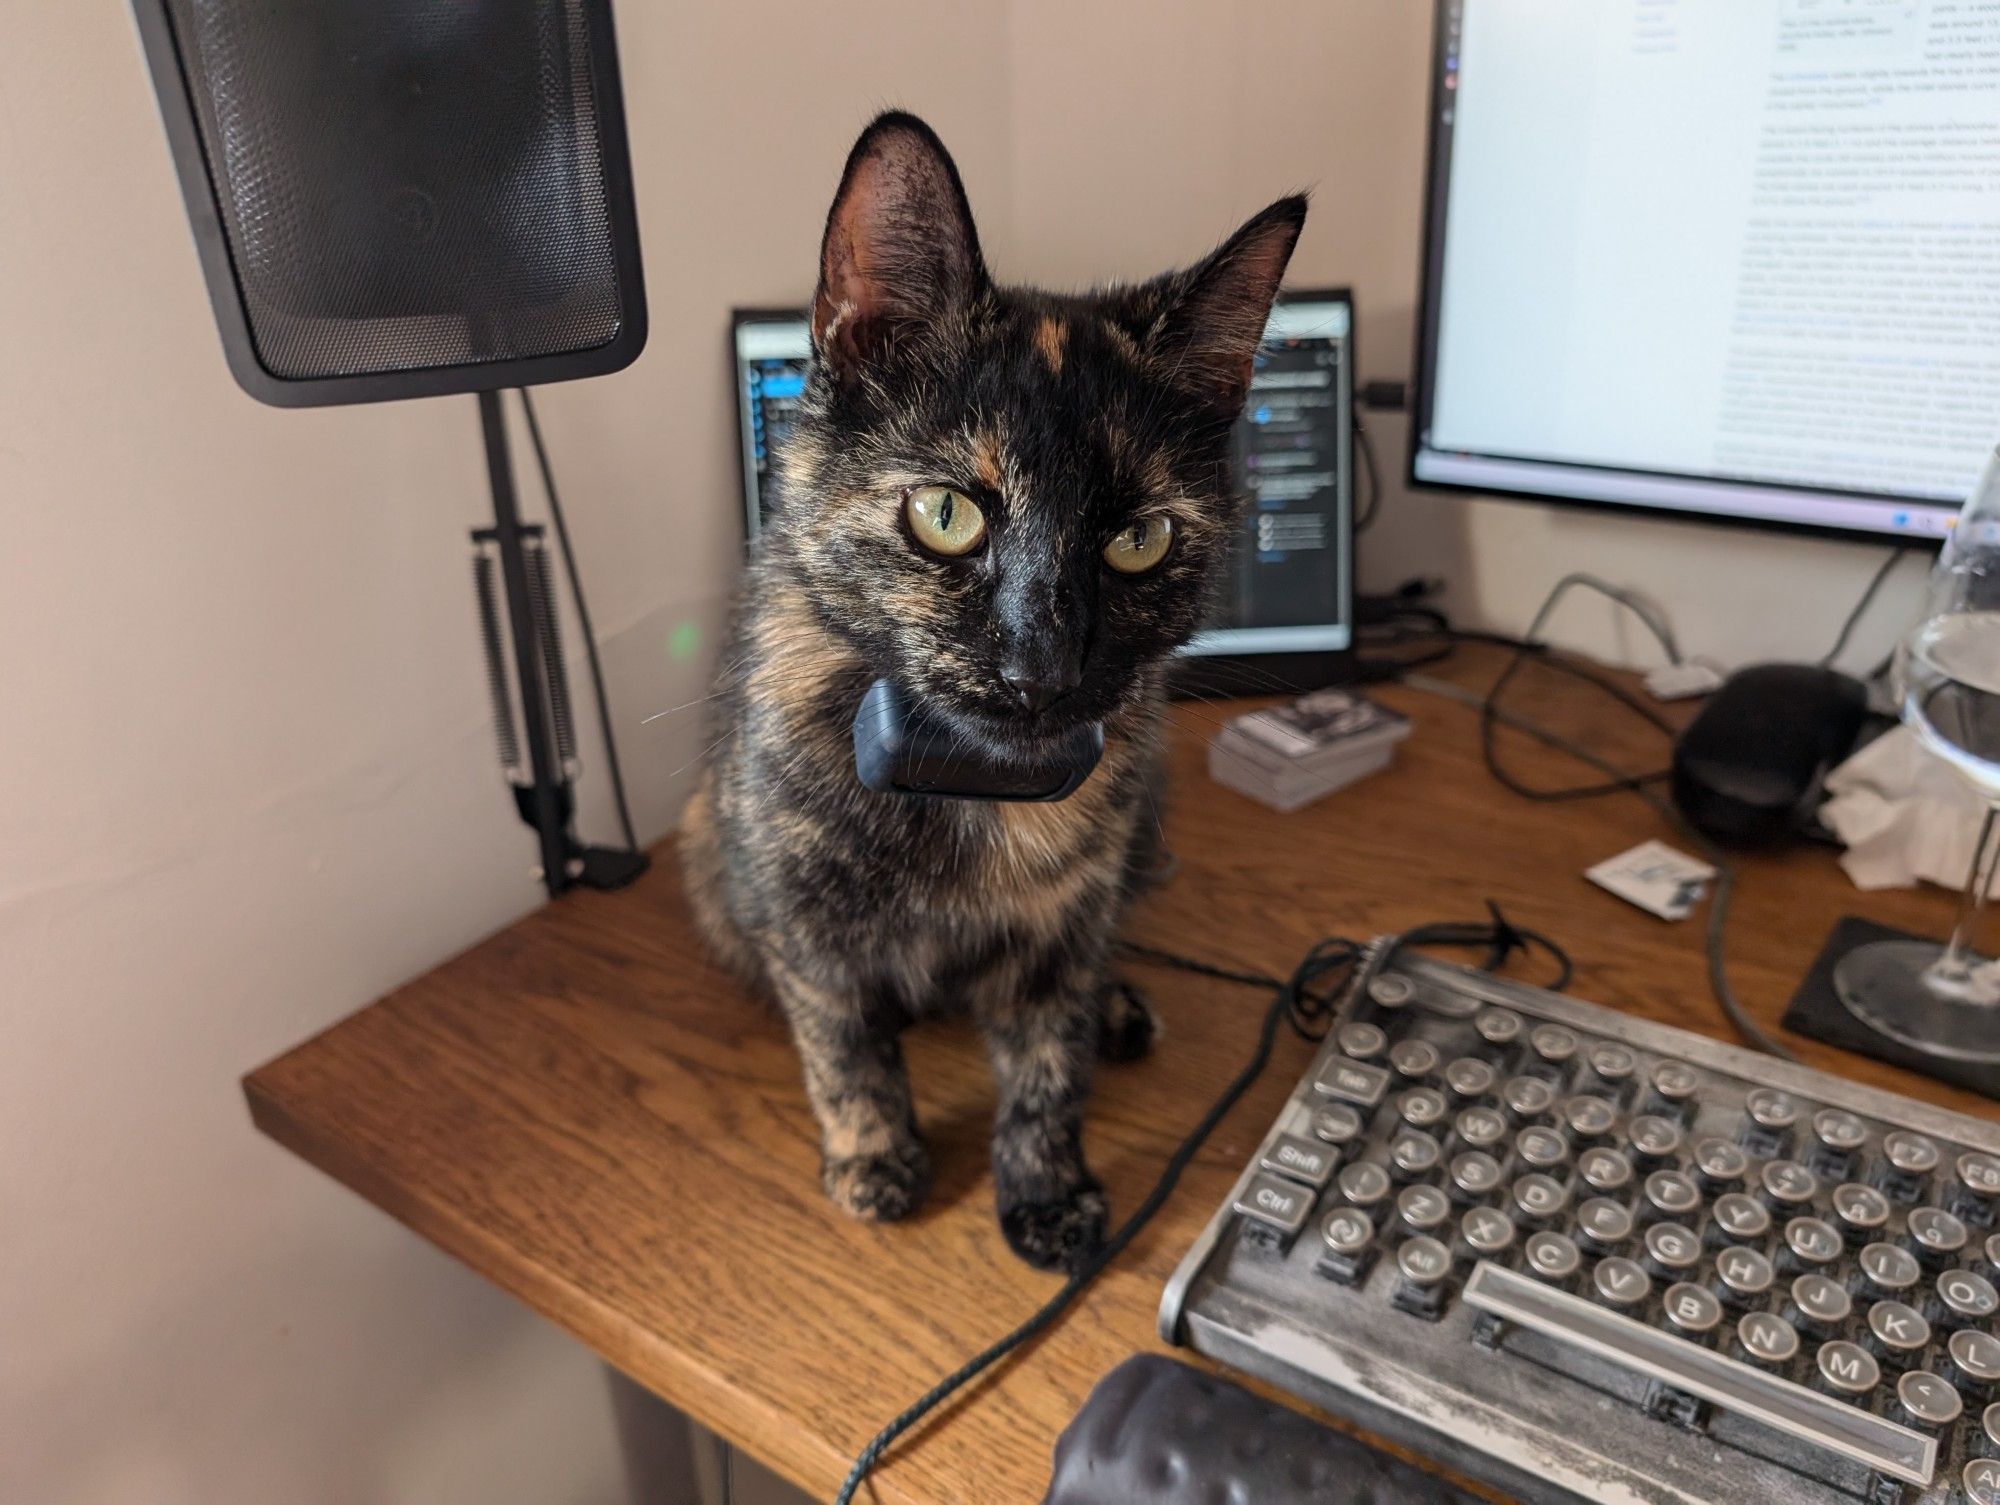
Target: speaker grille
<point x="405" y="184"/>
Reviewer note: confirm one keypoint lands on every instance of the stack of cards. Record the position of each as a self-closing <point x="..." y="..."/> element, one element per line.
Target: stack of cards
<point x="1292" y="754"/>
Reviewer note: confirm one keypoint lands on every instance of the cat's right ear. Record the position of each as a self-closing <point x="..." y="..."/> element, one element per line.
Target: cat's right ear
<point x="900" y="250"/>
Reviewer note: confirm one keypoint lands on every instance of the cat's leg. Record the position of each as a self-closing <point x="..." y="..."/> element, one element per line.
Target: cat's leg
<point x="1127" y="1026"/>
<point x="872" y="1161"/>
<point x="1043" y="1041"/>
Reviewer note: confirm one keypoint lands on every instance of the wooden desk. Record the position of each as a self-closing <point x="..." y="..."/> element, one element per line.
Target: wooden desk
<point x="587" y="1113"/>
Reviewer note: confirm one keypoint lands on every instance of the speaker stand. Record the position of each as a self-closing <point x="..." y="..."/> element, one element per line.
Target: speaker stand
<point x="542" y="782"/>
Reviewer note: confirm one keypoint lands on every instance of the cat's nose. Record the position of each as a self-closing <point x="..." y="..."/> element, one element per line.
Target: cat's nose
<point x="1038" y="688"/>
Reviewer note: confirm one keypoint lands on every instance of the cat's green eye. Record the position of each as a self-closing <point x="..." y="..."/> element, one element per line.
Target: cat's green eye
<point x="1141" y="545"/>
<point x="945" y="521"/>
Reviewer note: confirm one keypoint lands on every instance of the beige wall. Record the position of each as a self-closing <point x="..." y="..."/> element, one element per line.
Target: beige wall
<point x="247" y="773"/>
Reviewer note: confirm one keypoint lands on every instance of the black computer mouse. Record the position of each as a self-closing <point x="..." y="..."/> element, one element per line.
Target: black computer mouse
<point x="1748" y="769"/>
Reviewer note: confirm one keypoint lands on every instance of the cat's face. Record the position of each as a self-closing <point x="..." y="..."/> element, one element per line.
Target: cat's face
<point x="1012" y="502"/>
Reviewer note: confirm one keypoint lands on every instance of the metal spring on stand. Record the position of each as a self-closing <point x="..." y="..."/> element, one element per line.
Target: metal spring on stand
<point x="497" y="689"/>
<point x="542" y="606"/>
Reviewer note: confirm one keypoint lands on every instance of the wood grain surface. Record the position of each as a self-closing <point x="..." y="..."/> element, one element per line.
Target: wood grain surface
<point x="587" y="1113"/>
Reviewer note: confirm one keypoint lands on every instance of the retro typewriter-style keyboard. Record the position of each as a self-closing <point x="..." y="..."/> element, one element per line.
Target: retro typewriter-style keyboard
<point x="1586" y="1257"/>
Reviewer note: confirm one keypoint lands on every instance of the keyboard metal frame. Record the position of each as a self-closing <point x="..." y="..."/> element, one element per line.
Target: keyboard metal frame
<point x="1515" y="1418"/>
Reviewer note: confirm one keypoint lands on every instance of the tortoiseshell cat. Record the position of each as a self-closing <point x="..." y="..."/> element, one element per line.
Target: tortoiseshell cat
<point x="1012" y="502"/>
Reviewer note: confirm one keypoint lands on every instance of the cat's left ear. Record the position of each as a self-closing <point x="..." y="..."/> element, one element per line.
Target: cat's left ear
<point x="900" y="251"/>
<point x="1210" y="327"/>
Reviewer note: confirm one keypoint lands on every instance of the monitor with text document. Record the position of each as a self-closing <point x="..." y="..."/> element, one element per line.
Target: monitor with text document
<point x="1286" y="614"/>
<point x="1735" y="259"/>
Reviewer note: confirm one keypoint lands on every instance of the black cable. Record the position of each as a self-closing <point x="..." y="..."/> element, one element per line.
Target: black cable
<point x="1725" y="872"/>
<point x="1861" y="607"/>
<point x="1366" y="447"/>
<point x="1308" y="1008"/>
<point x="583" y="621"/>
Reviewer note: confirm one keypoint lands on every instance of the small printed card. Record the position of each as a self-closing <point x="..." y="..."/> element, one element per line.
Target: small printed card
<point x="1655" y="877"/>
<point x="1320" y="722"/>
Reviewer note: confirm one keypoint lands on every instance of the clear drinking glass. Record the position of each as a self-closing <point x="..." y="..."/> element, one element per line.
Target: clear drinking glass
<point x="1944" y="1000"/>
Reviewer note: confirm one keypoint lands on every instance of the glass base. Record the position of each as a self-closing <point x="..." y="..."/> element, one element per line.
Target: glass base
<point x="1907" y="991"/>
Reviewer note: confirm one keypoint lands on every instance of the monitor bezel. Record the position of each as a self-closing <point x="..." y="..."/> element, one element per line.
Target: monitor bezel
<point x="1423" y="374"/>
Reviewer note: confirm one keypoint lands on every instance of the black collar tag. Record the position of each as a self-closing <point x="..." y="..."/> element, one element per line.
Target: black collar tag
<point x="900" y="750"/>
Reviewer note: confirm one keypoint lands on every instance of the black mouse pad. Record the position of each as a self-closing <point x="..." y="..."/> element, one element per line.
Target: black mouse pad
<point x="1817" y="1012"/>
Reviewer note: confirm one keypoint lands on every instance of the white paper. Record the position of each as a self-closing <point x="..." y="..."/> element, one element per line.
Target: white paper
<point x="1903" y="815"/>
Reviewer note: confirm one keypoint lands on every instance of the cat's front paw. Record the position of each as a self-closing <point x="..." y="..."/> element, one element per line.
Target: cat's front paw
<point x="1061" y="1233"/>
<point x="1127" y="1028"/>
<point x="880" y="1188"/>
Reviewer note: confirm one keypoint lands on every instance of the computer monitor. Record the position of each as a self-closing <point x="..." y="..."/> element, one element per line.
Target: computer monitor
<point x="1286" y="615"/>
<point x="1733" y="259"/>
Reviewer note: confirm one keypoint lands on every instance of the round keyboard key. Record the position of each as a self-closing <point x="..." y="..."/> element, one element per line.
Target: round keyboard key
<point x="1847" y="1369"/>
<point x="1480" y="1128"/>
<point x="1989" y="1428"/>
<point x="1675" y="1082"/>
<point x="1980" y="1175"/>
<point x="1897" y="1332"/>
<point x="1965" y="1299"/>
<point x="1360" y="1040"/>
<point x="1654" y="1138"/>
<point x="1540" y="1197"/>
<point x="1787" y="1184"/>
<point x="1486" y="1233"/>
<point x="1671" y="1250"/>
<point x="1819" y="1303"/>
<point x="1745" y="1276"/>
<point x="1589" y="1117"/>
<point x="1613" y="1065"/>
<point x="1766" y="1339"/>
<point x="1337" y="1124"/>
<point x="1553" y="1044"/>
<point x="1937" y="1235"/>
<point x="1669" y="1194"/>
<point x="1812" y="1244"/>
<point x="1979" y="1482"/>
<point x="1604" y="1170"/>
<point x="1927" y="1402"/>
<point x="1364" y="1184"/>
<point x="1469" y="1077"/>
<point x="1912" y="1154"/>
<point x="1991" y="1261"/>
<point x="1975" y="1359"/>
<point x="1414" y="1059"/>
<point x="1603" y="1224"/>
<point x="1620" y="1284"/>
<point x="1348" y="1231"/>
<point x="1720" y="1164"/>
<point x="1740" y="1218"/>
<point x="1423" y="1261"/>
<point x="1422" y="1107"/>
<point x="1839" y="1131"/>
<point x="1553" y="1256"/>
<point x="1527" y="1097"/>
<point x="1422" y="1208"/>
<point x="1888" y="1271"/>
<point x="1414" y="1154"/>
<point x="1497" y="1026"/>
<point x="1391" y="991"/>
<point x="1691" y="1310"/>
<point x="1861" y="1211"/>
<point x="1771" y="1110"/>
<point x="1475" y="1176"/>
<point x="1541" y="1148"/>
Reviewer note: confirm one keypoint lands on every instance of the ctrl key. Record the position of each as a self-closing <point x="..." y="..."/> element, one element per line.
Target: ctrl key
<point x="1275" y="1209"/>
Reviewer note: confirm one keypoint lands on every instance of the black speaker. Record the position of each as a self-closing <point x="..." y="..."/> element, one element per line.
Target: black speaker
<point x="404" y="198"/>
<point x="408" y="198"/>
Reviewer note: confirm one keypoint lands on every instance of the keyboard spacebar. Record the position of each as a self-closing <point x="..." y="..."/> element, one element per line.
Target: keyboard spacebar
<point x="1842" y="1429"/>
